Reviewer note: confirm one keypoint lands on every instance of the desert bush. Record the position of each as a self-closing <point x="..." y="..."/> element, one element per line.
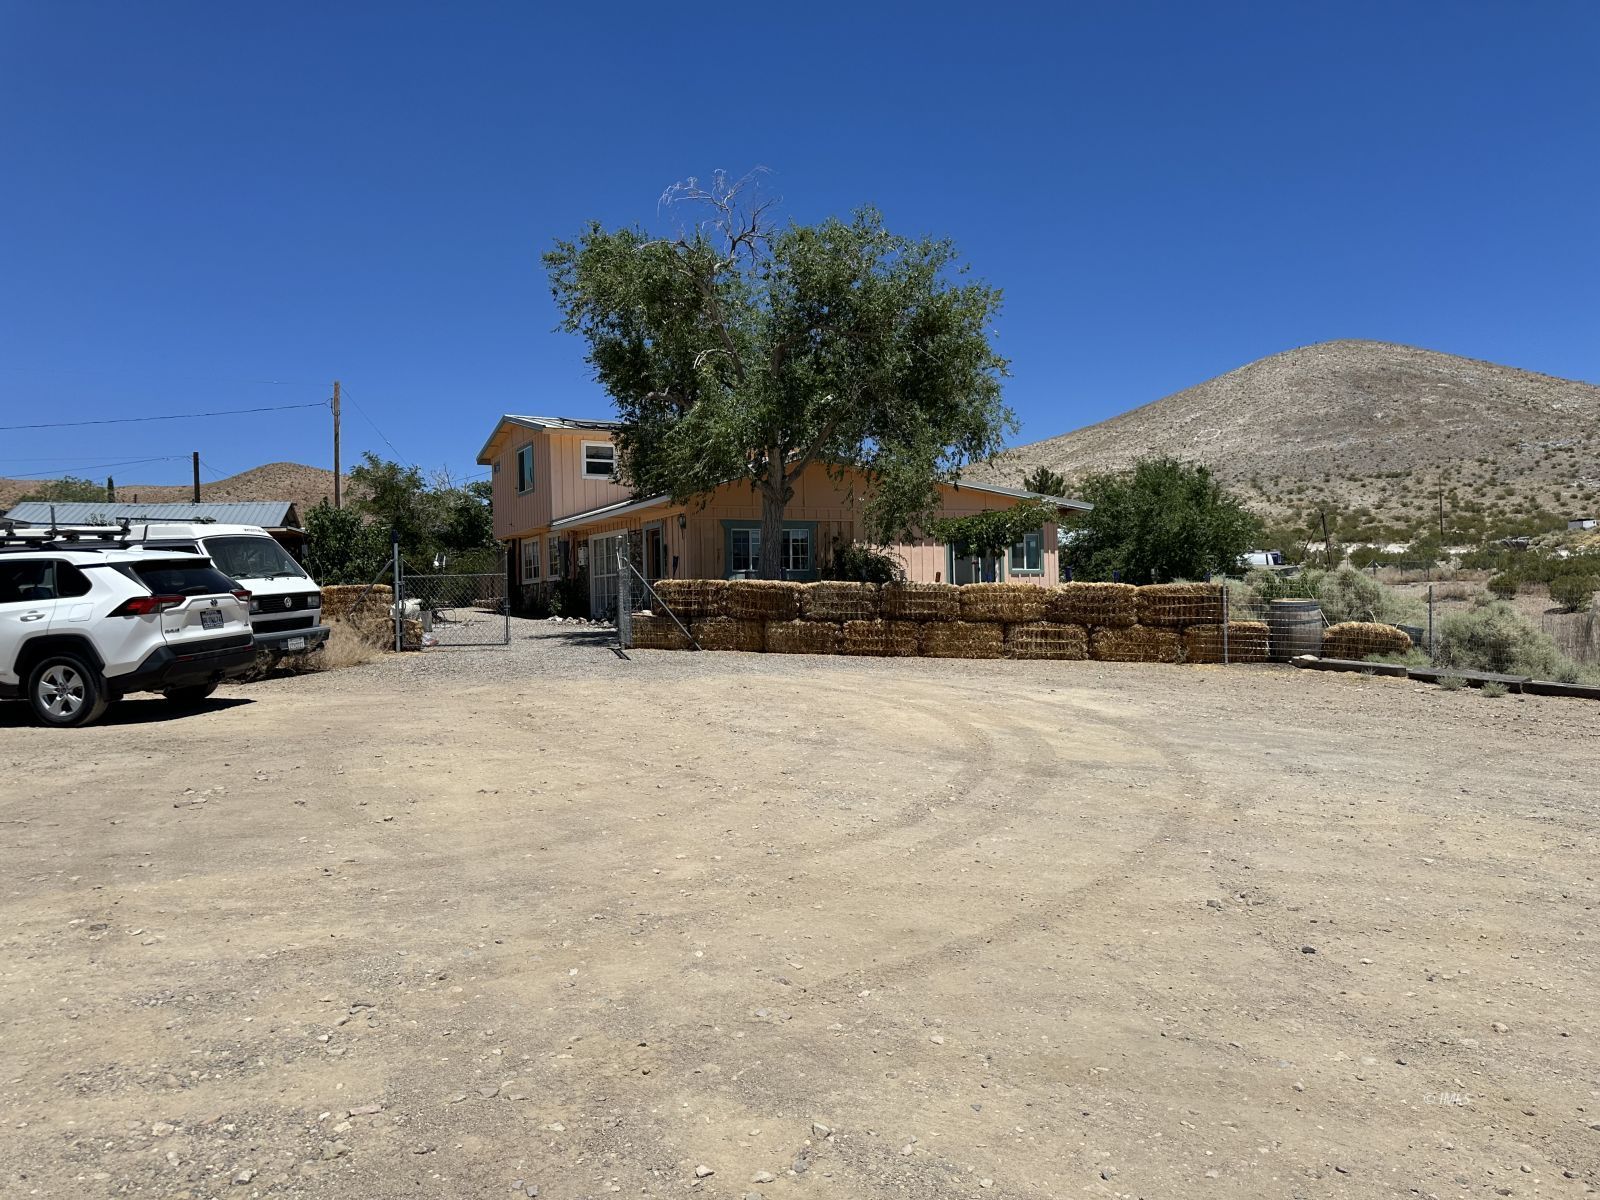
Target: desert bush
<point x="1573" y="592"/>
<point x="1452" y="683"/>
<point x="1493" y="691"/>
<point x="1348" y="595"/>
<point x="863" y="564"/>
<point x="1503" y="585"/>
<point x="1494" y="636"/>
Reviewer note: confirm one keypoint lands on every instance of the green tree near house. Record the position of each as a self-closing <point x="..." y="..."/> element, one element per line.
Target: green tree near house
<point x="68" y="489"/>
<point x="1163" y="520"/>
<point x="1046" y="482"/>
<point x="741" y="349"/>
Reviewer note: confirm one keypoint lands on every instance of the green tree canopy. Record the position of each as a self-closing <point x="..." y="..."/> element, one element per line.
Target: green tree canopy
<point x="1161" y="521"/>
<point x="740" y="350"/>
<point x="1045" y="481"/>
<point x="66" y="490"/>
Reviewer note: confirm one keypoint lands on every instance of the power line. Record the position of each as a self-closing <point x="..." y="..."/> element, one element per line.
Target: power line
<point x="130" y="462"/>
<point x="228" y="412"/>
<point x="374" y="425"/>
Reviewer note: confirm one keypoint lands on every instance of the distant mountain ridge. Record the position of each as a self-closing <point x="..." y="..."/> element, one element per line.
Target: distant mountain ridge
<point x="1359" y="425"/>
<point x="305" y="486"/>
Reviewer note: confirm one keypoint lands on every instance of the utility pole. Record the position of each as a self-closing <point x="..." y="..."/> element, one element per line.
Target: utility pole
<point x="336" y="500"/>
<point x="1327" y="543"/>
<point x="1441" y="518"/>
<point x="194" y="459"/>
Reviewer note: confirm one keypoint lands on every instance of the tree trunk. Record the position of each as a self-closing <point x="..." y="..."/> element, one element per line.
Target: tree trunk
<point x="775" y="496"/>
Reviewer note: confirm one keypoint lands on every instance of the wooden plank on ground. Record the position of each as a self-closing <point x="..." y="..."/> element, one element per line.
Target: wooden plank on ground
<point x="1311" y="663"/>
<point x="1580" y="691"/>
<point x="1512" y="683"/>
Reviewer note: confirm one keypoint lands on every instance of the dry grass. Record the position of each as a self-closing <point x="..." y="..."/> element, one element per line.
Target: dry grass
<point x="1047" y="639"/>
<point x="652" y="632"/>
<point x="963" y="639"/>
<point x="839" y="600"/>
<point x="920" y="601"/>
<point x="1006" y="603"/>
<point x="1248" y="642"/>
<point x="1102" y="605"/>
<point x="346" y="647"/>
<point x="1358" y="639"/>
<point x="1136" y="643"/>
<point x="802" y="637"/>
<point x="1174" y="605"/>
<point x="764" y="599"/>
<point x="694" y="599"/>
<point x="726" y="633"/>
<point x="884" y="639"/>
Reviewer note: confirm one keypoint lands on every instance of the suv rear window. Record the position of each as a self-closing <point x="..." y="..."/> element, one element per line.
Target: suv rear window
<point x="180" y="578"/>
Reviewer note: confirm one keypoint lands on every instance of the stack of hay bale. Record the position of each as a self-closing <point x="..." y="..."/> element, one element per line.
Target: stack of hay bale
<point x="1362" y="639"/>
<point x="1108" y="622"/>
<point x="369" y="612"/>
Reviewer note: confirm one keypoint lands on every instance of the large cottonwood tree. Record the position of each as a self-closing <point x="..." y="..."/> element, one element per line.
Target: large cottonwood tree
<point x="744" y="349"/>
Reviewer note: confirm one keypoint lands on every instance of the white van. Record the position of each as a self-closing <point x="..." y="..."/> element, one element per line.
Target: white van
<point x="285" y="602"/>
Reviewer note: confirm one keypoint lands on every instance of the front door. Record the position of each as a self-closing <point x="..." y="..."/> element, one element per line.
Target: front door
<point x="655" y="553"/>
<point x="603" y="567"/>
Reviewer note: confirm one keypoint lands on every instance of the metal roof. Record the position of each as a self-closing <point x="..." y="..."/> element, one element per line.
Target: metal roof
<point x="269" y="514"/>
<point x="542" y="423"/>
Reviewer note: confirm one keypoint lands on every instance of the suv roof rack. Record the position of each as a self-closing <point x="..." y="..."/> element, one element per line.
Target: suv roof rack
<point x="15" y="533"/>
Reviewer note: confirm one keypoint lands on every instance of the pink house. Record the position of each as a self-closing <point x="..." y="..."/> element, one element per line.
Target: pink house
<point x="559" y="508"/>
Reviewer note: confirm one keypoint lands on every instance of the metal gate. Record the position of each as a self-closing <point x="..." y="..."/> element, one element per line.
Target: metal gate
<point x="457" y="610"/>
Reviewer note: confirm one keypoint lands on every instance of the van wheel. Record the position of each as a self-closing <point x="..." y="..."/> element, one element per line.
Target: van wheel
<point x="65" y="690"/>
<point x="189" y="697"/>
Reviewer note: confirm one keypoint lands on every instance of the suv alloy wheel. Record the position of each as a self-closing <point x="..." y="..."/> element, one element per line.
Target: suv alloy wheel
<point x="65" y="690"/>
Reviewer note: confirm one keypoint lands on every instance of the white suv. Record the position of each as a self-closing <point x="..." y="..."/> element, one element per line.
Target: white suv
<point x="83" y="623"/>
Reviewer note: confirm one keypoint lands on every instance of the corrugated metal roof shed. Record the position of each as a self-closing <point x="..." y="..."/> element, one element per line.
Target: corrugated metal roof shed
<point x="269" y="514"/>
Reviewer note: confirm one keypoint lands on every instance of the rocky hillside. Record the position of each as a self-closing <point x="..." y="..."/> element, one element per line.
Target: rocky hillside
<point x="274" y="481"/>
<point x="1373" y="432"/>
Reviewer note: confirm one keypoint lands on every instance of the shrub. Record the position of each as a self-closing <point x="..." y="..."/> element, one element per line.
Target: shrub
<point x="1493" y="691"/>
<point x="1503" y="585"/>
<point x="863" y="564"/>
<point x="1573" y="592"/>
<point x="1493" y="636"/>
<point x="1452" y="683"/>
<point x="1348" y="595"/>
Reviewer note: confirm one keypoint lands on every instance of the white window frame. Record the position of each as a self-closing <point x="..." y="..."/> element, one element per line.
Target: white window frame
<point x="787" y="544"/>
<point x="554" y="562"/>
<point x="1022" y="546"/>
<point x="530" y="562"/>
<point x="526" y="448"/>
<point x="610" y="472"/>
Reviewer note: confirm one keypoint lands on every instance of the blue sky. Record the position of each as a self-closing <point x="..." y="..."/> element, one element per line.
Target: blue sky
<point x="218" y="206"/>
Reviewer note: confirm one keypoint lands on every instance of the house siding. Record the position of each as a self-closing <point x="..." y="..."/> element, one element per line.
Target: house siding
<point x="559" y="486"/>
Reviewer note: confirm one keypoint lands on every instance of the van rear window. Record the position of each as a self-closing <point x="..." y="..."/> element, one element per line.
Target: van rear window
<point x="181" y="578"/>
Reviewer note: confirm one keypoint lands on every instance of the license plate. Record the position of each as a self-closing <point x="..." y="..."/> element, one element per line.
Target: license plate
<point x="295" y="644"/>
<point x="210" y="619"/>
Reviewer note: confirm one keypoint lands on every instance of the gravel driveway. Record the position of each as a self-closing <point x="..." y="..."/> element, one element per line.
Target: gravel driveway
<point x="755" y="924"/>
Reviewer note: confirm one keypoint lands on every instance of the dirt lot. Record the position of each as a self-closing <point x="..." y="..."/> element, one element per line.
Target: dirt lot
<point x="910" y="929"/>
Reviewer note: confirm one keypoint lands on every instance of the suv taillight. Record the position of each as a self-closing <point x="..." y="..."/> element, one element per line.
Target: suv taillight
<point x="243" y="597"/>
<point x="143" y="606"/>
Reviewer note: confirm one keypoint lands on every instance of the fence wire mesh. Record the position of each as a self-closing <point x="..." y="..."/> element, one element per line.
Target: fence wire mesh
<point x="457" y="610"/>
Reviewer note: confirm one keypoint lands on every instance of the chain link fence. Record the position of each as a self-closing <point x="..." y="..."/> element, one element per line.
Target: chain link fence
<point x="457" y="610"/>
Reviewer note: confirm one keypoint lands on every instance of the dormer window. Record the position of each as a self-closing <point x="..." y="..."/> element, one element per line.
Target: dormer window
<point x="599" y="460"/>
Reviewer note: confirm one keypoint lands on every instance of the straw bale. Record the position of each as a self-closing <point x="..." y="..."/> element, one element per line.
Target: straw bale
<point x="692" y="599"/>
<point x="1135" y="643"/>
<point x="1007" y="603"/>
<point x="652" y="632"/>
<point x="1247" y="642"/>
<point x="1358" y="639"/>
<point x="839" y="600"/>
<point x="920" y="601"/>
<point x="802" y="637"/>
<point x="726" y="633"/>
<point x="1102" y="605"/>
<point x="763" y="599"/>
<point x="886" y="639"/>
<point x="339" y="599"/>
<point x="1047" y="639"/>
<point x="963" y="639"/>
<point x="1175" y="605"/>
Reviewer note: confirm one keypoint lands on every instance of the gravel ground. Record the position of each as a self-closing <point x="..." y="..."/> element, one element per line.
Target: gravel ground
<point x="783" y="926"/>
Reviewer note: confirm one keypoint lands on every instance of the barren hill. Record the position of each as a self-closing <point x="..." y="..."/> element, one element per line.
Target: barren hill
<point x="274" y="481"/>
<point x="1352" y="426"/>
